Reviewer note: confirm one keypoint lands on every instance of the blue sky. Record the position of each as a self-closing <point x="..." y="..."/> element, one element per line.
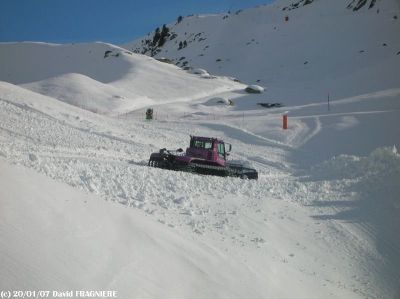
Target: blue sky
<point x="114" y="21"/>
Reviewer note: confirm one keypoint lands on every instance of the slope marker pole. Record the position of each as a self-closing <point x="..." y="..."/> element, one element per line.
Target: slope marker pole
<point x="329" y="107"/>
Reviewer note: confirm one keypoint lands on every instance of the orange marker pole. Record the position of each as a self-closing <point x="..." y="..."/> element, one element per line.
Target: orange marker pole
<point x="285" y="122"/>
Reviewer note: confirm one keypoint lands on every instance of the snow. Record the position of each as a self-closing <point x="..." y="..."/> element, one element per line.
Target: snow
<point x="217" y="101"/>
<point x="82" y="75"/>
<point x="95" y="245"/>
<point x="242" y="238"/>
<point x="199" y="72"/>
<point x="323" y="48"/>
<point x="255" y="88"/>
<point x="81" y="210"/>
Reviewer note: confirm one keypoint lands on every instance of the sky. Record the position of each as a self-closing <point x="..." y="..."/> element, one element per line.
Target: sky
<point x="113" y="21"/>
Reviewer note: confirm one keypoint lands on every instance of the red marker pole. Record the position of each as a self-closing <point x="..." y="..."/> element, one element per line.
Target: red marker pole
<point x="329" y="107"/>
<point x="285" y="122"/>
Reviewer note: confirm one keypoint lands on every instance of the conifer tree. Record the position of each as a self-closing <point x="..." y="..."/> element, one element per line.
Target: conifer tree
<point x="157" y="36"/>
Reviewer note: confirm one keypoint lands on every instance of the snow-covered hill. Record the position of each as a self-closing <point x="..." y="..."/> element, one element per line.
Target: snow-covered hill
<point x="102" y="77"/>
<point x="300" y="51"/>
<point x="322" y="231"/>
<point x="80" y="209"/>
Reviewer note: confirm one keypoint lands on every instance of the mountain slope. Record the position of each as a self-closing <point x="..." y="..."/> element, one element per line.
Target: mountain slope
<point x="102" y="77"/>
<point x="323" y="217"/>
<point x="97" y="245"/>
<point x="300" y="52"/>
<point x="321" y="231"/>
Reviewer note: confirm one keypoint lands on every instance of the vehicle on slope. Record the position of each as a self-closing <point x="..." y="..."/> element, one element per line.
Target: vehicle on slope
<point x="204" y="155"/>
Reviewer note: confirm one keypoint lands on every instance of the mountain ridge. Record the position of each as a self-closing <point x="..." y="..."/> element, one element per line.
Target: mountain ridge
<point x="288" y="50"/>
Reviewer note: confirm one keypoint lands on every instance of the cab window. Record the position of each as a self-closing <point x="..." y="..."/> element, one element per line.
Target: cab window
<point x="202" y="144"/>
<point x="221" y="150"/>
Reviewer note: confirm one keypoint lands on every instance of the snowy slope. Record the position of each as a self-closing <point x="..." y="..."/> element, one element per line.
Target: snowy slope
<point x="227" y="237"/>
<point x="101" y="77"/>
<point x="324" y="47"/>
<point x="97" y="245"/>
<point x="79" y="208"/>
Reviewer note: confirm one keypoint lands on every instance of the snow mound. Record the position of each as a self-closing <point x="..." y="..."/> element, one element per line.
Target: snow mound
<point x="102" y="77"/>
<point x="383" y="164"/>
<point x="254" y="89"/>
<point x="84" y="92"/>
<point x="31" y="61"/>
<point x="372" y="177"/>
<point x="199" y="72"/>
<point x="364" y="191"/>
<point x="218" y="101"/>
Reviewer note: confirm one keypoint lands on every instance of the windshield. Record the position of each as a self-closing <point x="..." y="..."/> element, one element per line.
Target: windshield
<point x="201" y="144"/>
